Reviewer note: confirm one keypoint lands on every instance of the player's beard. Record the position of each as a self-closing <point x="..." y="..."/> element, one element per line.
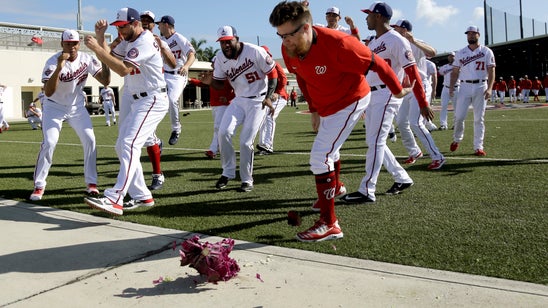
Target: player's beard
<point x="230" y="52"/>
<point x="295" y="50"/>
<point x="472" y="41"/>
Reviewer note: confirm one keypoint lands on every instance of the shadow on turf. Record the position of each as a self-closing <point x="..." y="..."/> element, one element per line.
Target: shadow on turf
<point x="350" y="165"/>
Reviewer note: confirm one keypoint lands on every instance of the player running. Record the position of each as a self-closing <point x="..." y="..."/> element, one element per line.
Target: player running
<point x="333" y="83"/>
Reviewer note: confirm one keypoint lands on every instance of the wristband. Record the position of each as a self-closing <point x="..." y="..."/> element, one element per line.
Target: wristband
<point x="354" y="31"/>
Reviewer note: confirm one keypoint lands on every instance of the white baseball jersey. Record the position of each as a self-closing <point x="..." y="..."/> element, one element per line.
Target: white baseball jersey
<point x="41" y="97"/>
<point x="395" y="50"/>
<point x="339" y="28"/>
<point x="180" y="46"/>
<point x="420" y="59"/>
<point x="107" y="94"/>
<point x="474" y="63"/>
<point x="246" y="74"/>
<point x="431" y="70"/>
<point x="445" y="71"/>
<point x="72" y="77"/>
<point x="136" y="54"/>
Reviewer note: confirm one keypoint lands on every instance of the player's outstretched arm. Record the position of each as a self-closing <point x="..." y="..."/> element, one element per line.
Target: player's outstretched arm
<point x="107" y="58"/>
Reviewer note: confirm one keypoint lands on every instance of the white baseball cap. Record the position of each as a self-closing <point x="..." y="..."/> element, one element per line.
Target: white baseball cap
<point x="334" y="10"/>
<point x="70" y="36"/>
<point x="452" y="53"/>
<point x="149" y="14"/>
<point x="226" y="33"/>
<point x="472" y="29"/>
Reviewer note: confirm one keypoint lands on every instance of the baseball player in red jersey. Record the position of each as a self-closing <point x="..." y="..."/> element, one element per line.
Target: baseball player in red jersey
<point x="525" y="85"/>
<point x="145" y="83"/>
<point x="395" y="50"/>
<point x="177" y="78"/>
<point x="501" y="90"/>
<point x="512" y="89"/>
<point x="474" y="65"/>
<point x="279" y="101"/>
<point x="249" y="69"/>
<point x="535" y="88"/>
<point x="409" y="120"/>
<point x="64" y="77"/>
<point x="330" y="67"/>
<point x="219" y="99"/>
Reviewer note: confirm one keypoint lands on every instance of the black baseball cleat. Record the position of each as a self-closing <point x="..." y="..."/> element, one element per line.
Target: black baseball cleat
<point x="221" y="182"/>
<point x="356" y="198"/>
<point x="174" y="138"/>
<point x="246" y="187"/>
<point x="397" y="188"/>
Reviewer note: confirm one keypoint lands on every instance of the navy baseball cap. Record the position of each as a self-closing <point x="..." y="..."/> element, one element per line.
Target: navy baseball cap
<point x="403" y="23"/>
<point x="167" y="20"/>
<point x="379" y="8"/>
<point x="125" y="16"/>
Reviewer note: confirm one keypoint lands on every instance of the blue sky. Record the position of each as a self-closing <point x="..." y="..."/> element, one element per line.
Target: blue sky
<point x="439" y="22"/>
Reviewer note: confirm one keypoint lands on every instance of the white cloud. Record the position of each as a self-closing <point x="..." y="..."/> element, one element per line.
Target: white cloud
<point x="396" y="14"/>
<point x="433" y="13"/>
<point x="478" y="14"/>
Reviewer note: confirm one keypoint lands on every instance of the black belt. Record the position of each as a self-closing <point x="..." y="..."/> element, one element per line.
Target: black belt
<point x="473" y="81"/>
<point x="456" y="86"/>
<point x="375" y="88"/>
<point x="262" y="94"/>
<point x="171" y="72"/>
<point x="145" y="94"/>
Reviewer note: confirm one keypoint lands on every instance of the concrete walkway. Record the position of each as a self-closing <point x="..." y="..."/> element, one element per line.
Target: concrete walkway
<point x="56" y="258"/>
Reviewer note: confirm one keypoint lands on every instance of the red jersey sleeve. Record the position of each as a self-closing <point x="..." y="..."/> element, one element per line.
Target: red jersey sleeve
<point x="418" y="91"/>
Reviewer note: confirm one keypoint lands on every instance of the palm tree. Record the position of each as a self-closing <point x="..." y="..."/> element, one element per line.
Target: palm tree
<point x="203" y="54"/>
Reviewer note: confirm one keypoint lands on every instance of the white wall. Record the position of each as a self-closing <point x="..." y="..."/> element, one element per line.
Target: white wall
<point x="22" y="71"/>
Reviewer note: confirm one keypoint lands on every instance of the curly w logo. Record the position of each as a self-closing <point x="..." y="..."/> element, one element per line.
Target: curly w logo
<point x="320" y="70"/>
<point x="329" y="193"/>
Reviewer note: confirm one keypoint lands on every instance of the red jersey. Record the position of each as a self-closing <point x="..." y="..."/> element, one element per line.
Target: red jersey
<point x="511" y="84"/>
<point x="282" y="81"/>
<point x="217" y="97"/>
<point x="526" y="84"/>
<point x="536" y="85"/>
<point x="545" y="82"/>
<point x="332" y="74"/>
<point x="501" y="86"/>
<point x="293" y="94"/>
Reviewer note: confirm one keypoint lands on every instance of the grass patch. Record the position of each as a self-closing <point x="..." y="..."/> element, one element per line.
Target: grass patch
<point x="484" y="216"/>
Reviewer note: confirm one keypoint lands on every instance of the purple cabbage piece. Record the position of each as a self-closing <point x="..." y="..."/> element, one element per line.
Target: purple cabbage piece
<point x="210" y="260"/>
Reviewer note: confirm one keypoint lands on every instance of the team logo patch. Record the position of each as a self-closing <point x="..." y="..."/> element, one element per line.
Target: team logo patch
<point x="48" y="72"/>
<point x="133" y="53"/>
<point x="269" y="60"/>
<point x="320" y="70"/>
<point x="409" y="55"/>
<point x="95" y="62"/>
